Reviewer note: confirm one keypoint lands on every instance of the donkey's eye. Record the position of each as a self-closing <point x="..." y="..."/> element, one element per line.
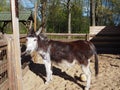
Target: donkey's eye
<point x="26" y="39"/>
<point x="35" y="39"/>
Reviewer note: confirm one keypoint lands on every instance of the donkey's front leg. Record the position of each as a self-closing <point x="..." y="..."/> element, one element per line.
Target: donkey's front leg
<point x="48" y="70"/>
<point x="47" y="63"/>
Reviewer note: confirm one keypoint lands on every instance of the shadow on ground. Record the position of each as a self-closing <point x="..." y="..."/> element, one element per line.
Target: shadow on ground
<point x="39" y="69"/>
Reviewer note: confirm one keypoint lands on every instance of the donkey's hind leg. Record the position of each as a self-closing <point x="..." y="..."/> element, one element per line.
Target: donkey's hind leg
<point x="86" y="70"/>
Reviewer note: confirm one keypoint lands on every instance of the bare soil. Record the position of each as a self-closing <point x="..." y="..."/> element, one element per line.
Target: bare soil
<point x="107" y="79"/>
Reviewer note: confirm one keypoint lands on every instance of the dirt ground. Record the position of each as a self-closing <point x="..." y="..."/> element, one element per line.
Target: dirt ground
<point x="107" y="79"/>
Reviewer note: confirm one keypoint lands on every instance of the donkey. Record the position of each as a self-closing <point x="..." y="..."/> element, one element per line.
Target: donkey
<point x="79" y="51"/>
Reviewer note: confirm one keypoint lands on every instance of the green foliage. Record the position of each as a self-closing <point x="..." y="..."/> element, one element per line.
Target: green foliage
<point x="8" y="29"/>
<point x="76" y="18"/>
<point x="4" y="6"/>
<point x="105" y="9"/>
<point x="57" y="21"/>
<point x="57" y="18"/>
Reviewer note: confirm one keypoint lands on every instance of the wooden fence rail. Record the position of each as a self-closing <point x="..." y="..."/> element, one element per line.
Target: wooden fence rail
<point x="65" y="36"/>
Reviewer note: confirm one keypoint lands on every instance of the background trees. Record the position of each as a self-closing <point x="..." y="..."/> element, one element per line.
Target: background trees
<point x="105" y="12"/>
<point x="67" y="16"/>
<point x="61" y="16"/>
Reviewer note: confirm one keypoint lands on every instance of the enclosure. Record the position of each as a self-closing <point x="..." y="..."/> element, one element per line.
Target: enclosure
<point x="66" y="21"/>
<point x="109" y="65"/>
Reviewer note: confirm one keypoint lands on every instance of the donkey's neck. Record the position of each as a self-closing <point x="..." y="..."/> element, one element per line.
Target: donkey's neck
<point x="43" y="44"/>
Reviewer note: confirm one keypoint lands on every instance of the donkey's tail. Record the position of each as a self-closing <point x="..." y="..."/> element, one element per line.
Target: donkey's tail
<point x="96" y="64"/>
<point x="96" y="58"/>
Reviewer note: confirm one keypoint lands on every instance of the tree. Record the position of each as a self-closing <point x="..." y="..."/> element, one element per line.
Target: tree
<point x="59" y="19"/>
<point x="4" y="5"/>
<point x="56" y="17"/>
<point x="43" y="14"/>
<point x="69" y="17"/>
<point x="92" y="12"/>
<point x="104" y="12"/>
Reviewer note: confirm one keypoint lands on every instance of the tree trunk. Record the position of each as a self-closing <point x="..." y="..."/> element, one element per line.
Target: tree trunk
<point x="92" y="12"/>
<point x="69" y="18"/>
<point x="43" y="12"/>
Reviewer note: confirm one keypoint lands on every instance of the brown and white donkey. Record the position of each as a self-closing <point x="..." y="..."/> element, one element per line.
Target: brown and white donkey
<point x="79" y="51"/>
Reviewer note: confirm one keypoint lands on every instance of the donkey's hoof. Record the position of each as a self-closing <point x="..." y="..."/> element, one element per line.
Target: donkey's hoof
<point x="83" y="77"/>
<point x="46" y="82"/>
<point x="86" y="88"/>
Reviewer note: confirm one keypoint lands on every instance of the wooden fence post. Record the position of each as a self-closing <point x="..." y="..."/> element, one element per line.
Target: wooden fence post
<point x="11" y="74"/>
<point x="35" y="16"/>
<point x="16" y="43"/>
<point x="87" y="37"/>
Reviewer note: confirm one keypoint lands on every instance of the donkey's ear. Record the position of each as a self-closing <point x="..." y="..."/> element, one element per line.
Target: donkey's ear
<point x="31" y="31"/>
<point x="39" y="31"/>
<point x="30" y="26"/>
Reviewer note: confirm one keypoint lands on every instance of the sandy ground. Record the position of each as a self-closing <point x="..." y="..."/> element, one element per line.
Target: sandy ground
<point x="108" y="78"/>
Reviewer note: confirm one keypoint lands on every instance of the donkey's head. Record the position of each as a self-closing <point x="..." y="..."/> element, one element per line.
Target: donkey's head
<point x="32" y="40"/>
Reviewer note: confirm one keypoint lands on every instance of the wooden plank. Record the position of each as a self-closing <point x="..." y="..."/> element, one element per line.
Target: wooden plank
<point x="105" y="30"/>
<point x="96" y="29"/>
<point x="67" y="40"/>
<point x="107" y="39"/>
<point x="11" y="74"/>
<point x="65" y="34"/>
<point x="23" y="38"/>
<point x="4" y="85"/>
<point x="2" y="43"/>
<point x="106" y="42"/>
<point x="3" y="66"/>
<point x="35" y="16"/>
<point x="25" y="70"/>
<point x="3" y="47"/>
<point x="16" y="42"/>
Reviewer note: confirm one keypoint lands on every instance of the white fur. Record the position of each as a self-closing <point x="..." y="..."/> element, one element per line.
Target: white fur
<point x="47" y="62"/>
<point x="66" y="63"/>
<point x="86" y="70"/>
<point x="31" y="44"/>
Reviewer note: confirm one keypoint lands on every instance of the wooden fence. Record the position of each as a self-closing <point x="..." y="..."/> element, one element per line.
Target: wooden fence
<point x="67" y="36"/>
<point x="7" y="74"/>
